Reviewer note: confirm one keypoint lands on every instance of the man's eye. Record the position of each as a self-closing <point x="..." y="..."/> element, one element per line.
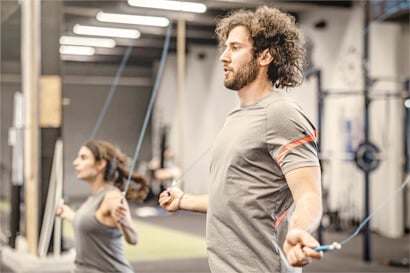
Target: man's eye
<point x="222" y="49"/>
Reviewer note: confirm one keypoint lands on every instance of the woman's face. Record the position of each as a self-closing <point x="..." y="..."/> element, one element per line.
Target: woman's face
<point x="85" y="165"/>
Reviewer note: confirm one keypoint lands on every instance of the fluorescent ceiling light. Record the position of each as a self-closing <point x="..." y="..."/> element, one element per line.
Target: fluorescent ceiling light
<point x="77" y="50"/>
<point x="169" y="5"/>
<point x="85" y="41"/>
<point x="107" y="31"/>
<point x="132" y="19"/>
<point x="407" y="103"/>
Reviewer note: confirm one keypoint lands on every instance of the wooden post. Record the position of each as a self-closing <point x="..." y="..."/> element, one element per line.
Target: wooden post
<point x="30" y="60"/>
<point x="181" y="89"/>
<point x="50" y="114"/>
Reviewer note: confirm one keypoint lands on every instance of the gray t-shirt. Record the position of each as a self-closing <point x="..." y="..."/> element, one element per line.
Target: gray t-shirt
<point x="98" y="247"/>
<point x="248" y="192"/>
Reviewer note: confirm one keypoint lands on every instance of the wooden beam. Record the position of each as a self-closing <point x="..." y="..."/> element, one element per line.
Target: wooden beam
<point x="30" y="60"/>
<point x="181" y="37"/>
<point x="50" y="101"/>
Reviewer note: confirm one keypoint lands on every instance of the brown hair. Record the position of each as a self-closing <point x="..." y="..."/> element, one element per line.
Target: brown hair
<point x="116" y="169"/>
<point x="269" y="28"/>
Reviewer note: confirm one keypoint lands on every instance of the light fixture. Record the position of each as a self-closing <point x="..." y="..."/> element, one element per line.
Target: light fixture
<point x="107" y="31"/>
<point x="407" y="102"/>
<point x="77" y="50"/>
<point x="85" y="41"/>
<point x="132" y="19"/>
<point x="169" y="5"/>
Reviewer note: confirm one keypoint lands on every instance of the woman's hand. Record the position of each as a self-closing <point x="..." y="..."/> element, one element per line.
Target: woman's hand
<point x="65" y="212"/>
<point x="120" y="213"/>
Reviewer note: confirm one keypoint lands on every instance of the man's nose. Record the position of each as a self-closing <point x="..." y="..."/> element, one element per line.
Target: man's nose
<point x="224" y="56"/>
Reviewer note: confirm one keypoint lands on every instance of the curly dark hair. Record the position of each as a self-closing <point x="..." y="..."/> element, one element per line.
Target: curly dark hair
<point x="272" y="29"/>
<point x="116" y="169"/>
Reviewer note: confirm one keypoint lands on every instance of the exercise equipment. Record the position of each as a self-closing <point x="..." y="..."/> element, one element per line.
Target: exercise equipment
<point x="366" y="156"/>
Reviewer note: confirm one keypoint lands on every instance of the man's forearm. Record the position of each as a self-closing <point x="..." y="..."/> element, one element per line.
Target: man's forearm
<point x="307" y="214"/>
<point x="194" y="202"/>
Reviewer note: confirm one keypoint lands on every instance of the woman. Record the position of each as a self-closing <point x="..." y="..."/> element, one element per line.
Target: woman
<point x="104" y="217"/>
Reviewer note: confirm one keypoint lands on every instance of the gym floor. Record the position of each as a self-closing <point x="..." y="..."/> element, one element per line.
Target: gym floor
<point x="175" y="242"/>
<point x="348" y="259"/>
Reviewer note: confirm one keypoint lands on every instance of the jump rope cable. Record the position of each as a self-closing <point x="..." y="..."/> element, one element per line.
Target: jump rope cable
<point x="177" y="182"/>
<point x="108" y="98"/>
<point x="148" y="113"/>
<point x="111" y="92"/>
<point x="336" y="245"/>
<point x="149" y="110"/>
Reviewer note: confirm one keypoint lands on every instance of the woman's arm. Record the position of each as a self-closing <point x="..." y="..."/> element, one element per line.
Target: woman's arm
<point x="121" y="215"/>
<point x="65" y="212"/>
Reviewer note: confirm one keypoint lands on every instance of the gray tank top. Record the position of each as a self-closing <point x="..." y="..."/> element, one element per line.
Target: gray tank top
<point x="98" y="247"/>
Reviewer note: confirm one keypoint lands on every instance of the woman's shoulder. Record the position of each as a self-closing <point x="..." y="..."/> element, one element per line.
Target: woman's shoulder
<point x="113" y="191"/>
<point x="113" y="194"/>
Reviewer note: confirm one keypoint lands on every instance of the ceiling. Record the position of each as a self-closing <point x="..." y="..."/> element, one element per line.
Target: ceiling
<point x="147" y="49"/>
<point x="199" y="27"/>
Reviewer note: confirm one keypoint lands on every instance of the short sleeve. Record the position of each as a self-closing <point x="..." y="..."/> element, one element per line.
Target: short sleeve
<point x="291" y="137"/>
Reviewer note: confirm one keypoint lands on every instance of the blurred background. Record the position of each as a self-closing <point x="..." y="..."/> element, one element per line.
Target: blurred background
<point x="75" y="70"/>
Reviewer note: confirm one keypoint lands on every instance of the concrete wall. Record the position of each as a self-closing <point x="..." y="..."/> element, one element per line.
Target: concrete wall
<point x="388" y="51"/>
<point x="122" y="122"/>
<point x="84" y="96"/>
<point x="7" y="90"/>
<point x="207" y="103"/>
<point x="337" y="51"/>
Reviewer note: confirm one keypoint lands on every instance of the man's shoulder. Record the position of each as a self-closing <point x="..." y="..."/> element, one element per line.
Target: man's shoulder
<point x="282" y="104"/>
<point x="279" y="98"/>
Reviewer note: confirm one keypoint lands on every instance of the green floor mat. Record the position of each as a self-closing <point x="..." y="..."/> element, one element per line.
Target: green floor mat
<point x="5" y="206"/>
<point x="159" y="243"/>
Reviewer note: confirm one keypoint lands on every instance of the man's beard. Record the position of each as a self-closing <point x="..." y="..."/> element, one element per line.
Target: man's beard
<point x="244" y="76"/>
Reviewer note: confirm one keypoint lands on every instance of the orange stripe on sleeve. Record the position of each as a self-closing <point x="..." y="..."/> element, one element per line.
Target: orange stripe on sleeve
<point x="294" y="144"/>
<point x="280" y="218"/>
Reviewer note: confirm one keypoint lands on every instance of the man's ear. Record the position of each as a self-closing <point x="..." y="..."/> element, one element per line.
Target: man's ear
<point x="265" y="57"/>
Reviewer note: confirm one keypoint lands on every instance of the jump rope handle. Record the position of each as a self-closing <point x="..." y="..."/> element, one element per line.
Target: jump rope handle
<point x="324" y="248"/>
<point x="60" y="204"/>
<point x="122" y="197"/>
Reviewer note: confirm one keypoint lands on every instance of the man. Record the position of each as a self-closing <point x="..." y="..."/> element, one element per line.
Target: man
<point x="264" y="194"/>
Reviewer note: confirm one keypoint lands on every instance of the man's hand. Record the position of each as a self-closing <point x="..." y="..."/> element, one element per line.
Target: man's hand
<point x="169" y="199"/>
<point x="298" y="248"/>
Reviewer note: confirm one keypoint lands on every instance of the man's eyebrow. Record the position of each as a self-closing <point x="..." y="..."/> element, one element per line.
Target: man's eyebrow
<point x="233" y="43"/>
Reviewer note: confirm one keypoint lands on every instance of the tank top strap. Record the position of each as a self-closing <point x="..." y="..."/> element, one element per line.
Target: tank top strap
<point x="99" y="197"/>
